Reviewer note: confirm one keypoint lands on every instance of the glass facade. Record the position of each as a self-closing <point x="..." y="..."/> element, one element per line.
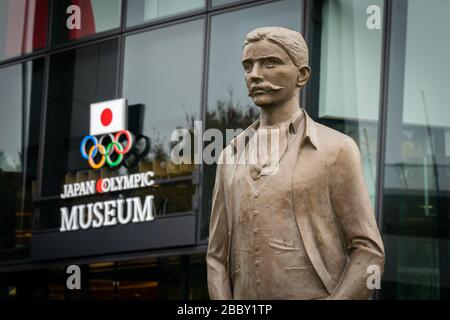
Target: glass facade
<point x="416" y="173"/>
<point x="168" y="91"/>
<point x="383" y="82"/>
<point x="350" y="72"/>
<point x="23" y="27"/>
<point x="21" y="88"/>
<point x="77" y="78"/>
<point x="142" y="11"/>
<point x="77" y="19"/>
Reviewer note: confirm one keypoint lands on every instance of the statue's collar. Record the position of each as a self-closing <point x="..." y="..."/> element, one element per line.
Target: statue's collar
<point x="309" y="135"/>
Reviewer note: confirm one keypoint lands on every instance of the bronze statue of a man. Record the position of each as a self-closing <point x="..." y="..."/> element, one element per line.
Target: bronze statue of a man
<point x="298" y="223"/>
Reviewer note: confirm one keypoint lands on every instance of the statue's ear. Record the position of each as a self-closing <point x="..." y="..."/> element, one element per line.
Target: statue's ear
<point x="304" y="72"/>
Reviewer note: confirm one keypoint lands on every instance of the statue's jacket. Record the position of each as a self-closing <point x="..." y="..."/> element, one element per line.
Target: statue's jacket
<point x="332" y="209"/>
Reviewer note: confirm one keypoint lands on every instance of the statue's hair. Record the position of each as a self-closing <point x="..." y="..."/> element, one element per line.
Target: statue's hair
<point x="290" y="41"/>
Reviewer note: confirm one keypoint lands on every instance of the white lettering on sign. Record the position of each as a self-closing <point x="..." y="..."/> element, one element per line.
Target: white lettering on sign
<point x="133" y="181"/>
<point x="107" y="213"/>
<point x="111" y="212"/>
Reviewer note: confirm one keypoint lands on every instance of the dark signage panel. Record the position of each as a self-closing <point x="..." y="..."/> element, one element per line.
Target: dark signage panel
<point x="159" y="233"/>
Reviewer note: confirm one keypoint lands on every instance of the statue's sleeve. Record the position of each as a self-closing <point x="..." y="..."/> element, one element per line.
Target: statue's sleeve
<point x="219" y="285"/>
<point x="356" y="217"/>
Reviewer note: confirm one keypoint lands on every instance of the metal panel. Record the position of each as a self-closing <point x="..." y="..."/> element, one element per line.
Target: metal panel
<point x="160" y="233"/>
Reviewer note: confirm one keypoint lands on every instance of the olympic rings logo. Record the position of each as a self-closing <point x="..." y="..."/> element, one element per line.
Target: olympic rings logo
<point x="113" y="146"/>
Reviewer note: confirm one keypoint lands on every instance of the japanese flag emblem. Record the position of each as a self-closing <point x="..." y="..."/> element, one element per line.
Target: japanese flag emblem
<point x="108" y="117"/>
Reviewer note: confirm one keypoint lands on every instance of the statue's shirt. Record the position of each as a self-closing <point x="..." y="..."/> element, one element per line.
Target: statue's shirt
<point x="267" y="257"/>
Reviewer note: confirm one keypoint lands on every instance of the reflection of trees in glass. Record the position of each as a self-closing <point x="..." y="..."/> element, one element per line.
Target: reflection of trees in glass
<point x="10" y="164"/>
<point x="157" y="149"/>
<point x="159" y="152"/>
<point x="226" y="114"/>
<point x="161" y="146"/>
<point x="16" y="190"/>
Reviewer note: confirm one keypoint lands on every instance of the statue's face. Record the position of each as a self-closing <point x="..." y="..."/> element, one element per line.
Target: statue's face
<point x="271" y="76"/>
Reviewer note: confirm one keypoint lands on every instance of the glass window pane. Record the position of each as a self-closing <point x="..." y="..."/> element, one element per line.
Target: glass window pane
<point x="20" y="112"/>
<point x="417" y="175"/>
<point x="140" y="11"/>
<point x="85" y="18"/>
<point x="77" y="78"/>
<point x="23" y="27"/>
<point x="350" y="69"/>
<point x="167" y="87"/>
<point x="228" y="103"/>
<point x="222" y="2"/>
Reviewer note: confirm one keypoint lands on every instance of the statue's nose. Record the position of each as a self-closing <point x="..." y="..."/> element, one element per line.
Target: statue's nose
<point x="255" y="74"/>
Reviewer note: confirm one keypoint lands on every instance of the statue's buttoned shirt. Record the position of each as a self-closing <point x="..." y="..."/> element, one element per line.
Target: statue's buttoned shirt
<point x="267" y="256"/>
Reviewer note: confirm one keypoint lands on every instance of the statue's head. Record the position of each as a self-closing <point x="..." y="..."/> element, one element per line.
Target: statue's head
<point x="276" y="66"/>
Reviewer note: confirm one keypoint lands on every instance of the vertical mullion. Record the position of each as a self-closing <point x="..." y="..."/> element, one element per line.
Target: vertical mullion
<point x="204" y="109"/>
<point x="120" y="65"/>
<point x="40" y="164"/>
<point x="50" y="25"/>
<point x="121" y="50"/>
<point x="312" y="35"/>
<point x="381" y="146"/>
<point x="390" y="118"/>
<point x="387" y="17"/>
<point x="42" y="135"/>
<point x="123" y="15"/>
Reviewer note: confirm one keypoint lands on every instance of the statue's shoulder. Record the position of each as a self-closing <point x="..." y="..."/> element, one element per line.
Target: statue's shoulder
<point x="332" y="140"/>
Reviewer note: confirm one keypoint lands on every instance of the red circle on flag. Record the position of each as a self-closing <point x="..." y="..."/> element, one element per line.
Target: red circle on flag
<point x="106" y="117"/>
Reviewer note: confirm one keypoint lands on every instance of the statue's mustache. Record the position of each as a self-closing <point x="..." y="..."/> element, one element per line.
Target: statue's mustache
<point x="266" y="87"/>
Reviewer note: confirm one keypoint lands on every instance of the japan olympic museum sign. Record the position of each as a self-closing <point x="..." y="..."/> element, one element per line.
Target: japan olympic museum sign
<point x="107" y="125"/>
